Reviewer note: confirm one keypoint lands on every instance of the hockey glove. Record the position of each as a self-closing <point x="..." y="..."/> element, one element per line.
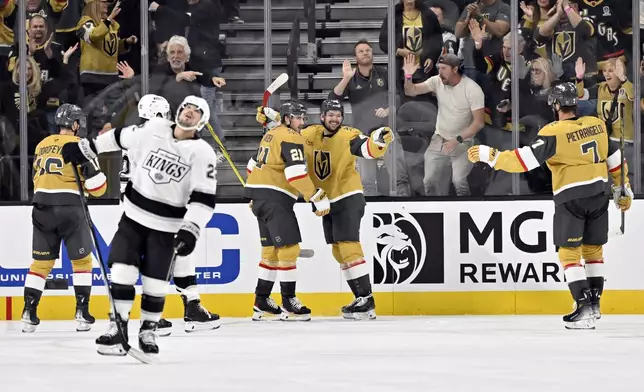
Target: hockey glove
<point x="78" y="153"/>
<point x="268" y="116"/>
<point x="483" y="153"/>
<point x="186" y="239"/>
<point x="382" y="137"/>
<point x="321" y="204"/>
<point x="622" y="196"/>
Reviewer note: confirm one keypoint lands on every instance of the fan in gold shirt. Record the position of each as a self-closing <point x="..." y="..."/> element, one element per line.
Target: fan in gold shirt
<point x="580" y="155"/>
<point x="331" y="151"/>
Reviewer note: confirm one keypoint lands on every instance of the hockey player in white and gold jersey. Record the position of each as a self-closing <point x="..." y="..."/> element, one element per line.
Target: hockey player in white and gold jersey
<point x="58" y="216"/>
<point x="580" y="155"/>
<point x="331" y="150"/>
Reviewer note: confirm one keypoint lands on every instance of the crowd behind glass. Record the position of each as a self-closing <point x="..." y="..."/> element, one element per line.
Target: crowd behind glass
<point x="88" y="52"/>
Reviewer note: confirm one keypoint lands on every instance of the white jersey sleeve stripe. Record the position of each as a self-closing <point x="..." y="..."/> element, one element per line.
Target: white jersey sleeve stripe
<point x="528" y="158"/>
<point x="295" y="172"/>
<point x="614" y="161"/>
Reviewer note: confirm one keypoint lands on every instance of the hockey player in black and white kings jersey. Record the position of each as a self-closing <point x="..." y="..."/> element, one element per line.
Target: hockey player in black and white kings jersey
<point x="167" y="203"/>
<point x="195" y="316"/>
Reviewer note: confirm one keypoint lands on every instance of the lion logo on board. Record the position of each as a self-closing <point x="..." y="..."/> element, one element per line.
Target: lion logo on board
<point x="322" y="164"/>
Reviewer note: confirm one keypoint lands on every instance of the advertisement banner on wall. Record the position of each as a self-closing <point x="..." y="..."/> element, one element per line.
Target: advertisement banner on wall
<point x="411" y="247"/>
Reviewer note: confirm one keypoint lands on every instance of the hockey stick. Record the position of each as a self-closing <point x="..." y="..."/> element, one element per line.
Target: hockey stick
<point x="134" y="353"/>
<point x="622" y="227"/>
<point x="226" y="155"/>
<point x="277" y="83"/>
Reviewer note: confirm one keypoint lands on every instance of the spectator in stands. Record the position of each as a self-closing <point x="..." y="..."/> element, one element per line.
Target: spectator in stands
<point x="231" y="10"/>
<point x="418" y="32"/>
<point x="495" y="16"/>
<point x="38" y="96"/>
<point x="48" y="55"/>
<point x="534" y="16"/>
<point x="450" y="42"/>
<point x="460" y="117"/>
<point x="203" y="38"/>
<point x="100" y="46"/>
<point x="615" y="98"/>
<point x="176" y="79"/>
<point x="366" y="87"/>
<point x="566" y="34"/>
<point x="170" y="18"/>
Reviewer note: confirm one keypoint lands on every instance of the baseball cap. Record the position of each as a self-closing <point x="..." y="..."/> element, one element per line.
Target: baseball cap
<point x="450" y="59"/>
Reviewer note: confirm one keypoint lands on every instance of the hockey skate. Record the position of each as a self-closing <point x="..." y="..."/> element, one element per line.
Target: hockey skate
<point x="83" y="318"/>
<point x="111" y="342"/>
<point x="361" y="308"/>
<point x="582" y="316"/>
<point x="294" y="310"/>
<point x="148" y="337"/>
<point x="164" y="328"/>
<point x="595" y="298"/>
<point x="265" y="305"/>
<point x="30" y="320"/>
<point x="198" y="318"/>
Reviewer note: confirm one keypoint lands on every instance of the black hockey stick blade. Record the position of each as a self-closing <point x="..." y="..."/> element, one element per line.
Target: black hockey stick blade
<point x="134" y="353"/>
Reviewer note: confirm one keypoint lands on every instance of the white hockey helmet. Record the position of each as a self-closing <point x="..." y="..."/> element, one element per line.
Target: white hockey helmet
<point x="153" y="106"/>
<point x="203" y="107"/>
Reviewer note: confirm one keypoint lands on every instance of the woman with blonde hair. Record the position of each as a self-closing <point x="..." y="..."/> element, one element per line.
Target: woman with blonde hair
<point x="100" y="46"/>
<point x="38" y="97"/>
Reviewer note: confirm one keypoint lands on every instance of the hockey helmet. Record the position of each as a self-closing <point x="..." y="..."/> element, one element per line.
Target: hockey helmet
<point x="564" y="94"/>
<point x="67" y="114"/>
<point x="203" y="107"/>
<point x="153" y="106"/>
<point x="331" y="104"/>
<point x="293" y="108"/>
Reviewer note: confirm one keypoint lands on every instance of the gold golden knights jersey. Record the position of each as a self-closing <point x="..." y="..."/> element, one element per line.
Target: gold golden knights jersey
<point x="331" y="159"/>
<point x="625" y="101"/>
<point x="279" y="168"/>
<point x="100" y="47"/>
<point x="54" y="182"/>
<point x="577" y="151"/>
<point x="6" y="26"/>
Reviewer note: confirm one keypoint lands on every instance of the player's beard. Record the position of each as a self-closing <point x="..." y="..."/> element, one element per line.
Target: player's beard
<point x="332" y="129"/>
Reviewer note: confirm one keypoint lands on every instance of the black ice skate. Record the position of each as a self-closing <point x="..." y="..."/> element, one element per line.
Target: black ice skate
<point x="582" y="317"/>
<point x="294" y="310"/>
<point x="198" y="318"/>
<point x="164" y="328"/>
<point x="360" y="309"/>
<point x="148" y="337"/>
<point x="111" y="342"/>
<point x="265" y="305"/>
<point x="83" y="318"/>
<point x="595" y="297"/>
<point x="30" y="319"/>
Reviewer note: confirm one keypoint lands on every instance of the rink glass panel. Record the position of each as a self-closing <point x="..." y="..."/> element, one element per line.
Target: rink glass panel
<point x="249" y="66"/>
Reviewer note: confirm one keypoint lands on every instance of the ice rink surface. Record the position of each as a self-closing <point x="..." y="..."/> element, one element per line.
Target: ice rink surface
<point x="504" y="353"/>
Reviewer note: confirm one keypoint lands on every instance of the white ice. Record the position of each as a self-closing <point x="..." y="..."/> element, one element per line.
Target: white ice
<point x="504" y="353"/>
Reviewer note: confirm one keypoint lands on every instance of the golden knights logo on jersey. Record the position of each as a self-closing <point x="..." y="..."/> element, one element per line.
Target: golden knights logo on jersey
<point x="413" y="38"/>
<point x="606" y="109"/>
<point x="564" y="44"/>
<point x="322" y="164"/>
<point x="111" y="44"/>
<point x="164" y="167"/>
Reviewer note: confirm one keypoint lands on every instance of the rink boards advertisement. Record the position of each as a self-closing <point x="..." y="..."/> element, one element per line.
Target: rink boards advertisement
<point x="424" y="257"/>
